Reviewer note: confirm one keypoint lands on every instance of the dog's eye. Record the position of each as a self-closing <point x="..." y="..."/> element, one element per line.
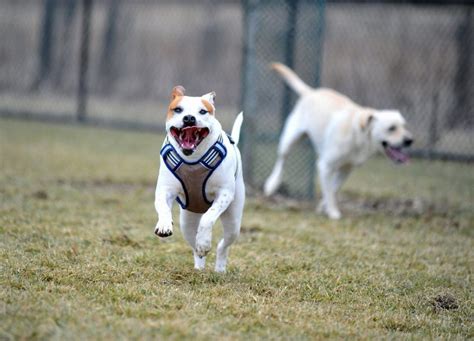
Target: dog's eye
<point x="178" y="110"/>
<point x="203" y="112"/>
<point x="392" y="128"/>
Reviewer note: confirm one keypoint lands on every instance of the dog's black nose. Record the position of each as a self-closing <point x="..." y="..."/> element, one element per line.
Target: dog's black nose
<point x="407" y="142"/>
<point x="189" y="120"/>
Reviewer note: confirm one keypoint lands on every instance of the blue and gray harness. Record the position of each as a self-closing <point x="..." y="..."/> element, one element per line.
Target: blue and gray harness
<point x="193" y="176"/>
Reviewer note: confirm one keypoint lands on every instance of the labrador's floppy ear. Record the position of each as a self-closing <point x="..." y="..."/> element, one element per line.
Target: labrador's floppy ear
<point x="178" y="91"/>
<point x="210" y="97"/>
<point x="366" y="119"/>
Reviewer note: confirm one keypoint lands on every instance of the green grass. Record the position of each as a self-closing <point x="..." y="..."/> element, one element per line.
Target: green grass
<point x="79" y="259"/>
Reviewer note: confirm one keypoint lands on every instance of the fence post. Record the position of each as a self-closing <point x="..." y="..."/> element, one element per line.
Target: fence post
<point x="433" y="134"/>
<point x="460" y="115"/>
<point x="84" y="61"/>
<point x="248" y="88"/>
<point x="319" y="42"/>
<point x="45" y="47"/>
<point x="289" y="55"/>
<point x="108" y="59"/>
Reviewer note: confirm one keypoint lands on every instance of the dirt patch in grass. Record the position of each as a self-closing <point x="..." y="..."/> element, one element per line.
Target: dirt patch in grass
<point x="254" y="228"/>
<point x="360" y="205"/>
<point x="353" y="204"/>
<point x="121" y="240"/>
<point x="444" y="301"/>
<point x="105" y="183"/>
<point x="41" y="194"/>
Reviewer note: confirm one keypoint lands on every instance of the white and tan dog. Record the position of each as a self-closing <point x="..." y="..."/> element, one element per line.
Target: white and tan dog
<point x="343" y="133"/>
<point x="200" y="168"/>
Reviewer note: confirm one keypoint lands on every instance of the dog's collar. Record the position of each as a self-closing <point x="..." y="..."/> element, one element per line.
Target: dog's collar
<point x="206" y="160"/>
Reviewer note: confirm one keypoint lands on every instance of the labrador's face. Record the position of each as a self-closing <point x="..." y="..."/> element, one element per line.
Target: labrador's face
<point x="390" y="134"/>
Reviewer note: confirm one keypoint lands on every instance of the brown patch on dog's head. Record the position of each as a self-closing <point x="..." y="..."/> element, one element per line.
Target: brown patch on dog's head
<point x="208" y="101"/>
<point x="176" y="96"/>
<point x="208" y="105"/>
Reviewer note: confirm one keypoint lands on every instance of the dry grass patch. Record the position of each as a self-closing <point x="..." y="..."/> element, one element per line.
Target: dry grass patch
<point x="79" y="259"/>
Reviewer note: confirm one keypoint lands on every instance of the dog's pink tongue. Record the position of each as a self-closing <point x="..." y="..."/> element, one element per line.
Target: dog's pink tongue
<point x="396" y="155"/>
<point x="188" y="140"/>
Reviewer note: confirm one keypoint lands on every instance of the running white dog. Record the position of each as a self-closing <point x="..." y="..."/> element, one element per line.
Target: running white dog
<point x="343" y="133"/>
<point x="201" y="168"/>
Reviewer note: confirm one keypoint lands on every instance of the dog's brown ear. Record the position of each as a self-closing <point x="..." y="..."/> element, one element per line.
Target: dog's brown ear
<point x="210" y="97"/>
<point x="178" y="90"/>
<point x="208" y="101"/>
<point x="366" y="119"/>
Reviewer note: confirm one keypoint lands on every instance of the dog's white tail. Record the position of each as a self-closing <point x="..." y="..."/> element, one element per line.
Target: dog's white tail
<point x="236" y="127"/>
<point x="291" y="78"/>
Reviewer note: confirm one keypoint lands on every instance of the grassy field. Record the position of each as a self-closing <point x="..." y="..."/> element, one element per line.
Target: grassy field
<point x="79" y="259"/>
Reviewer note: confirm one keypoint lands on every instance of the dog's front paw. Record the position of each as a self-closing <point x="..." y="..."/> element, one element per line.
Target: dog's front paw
<point x="164" y="230"/>
<point x="203" y="244"/>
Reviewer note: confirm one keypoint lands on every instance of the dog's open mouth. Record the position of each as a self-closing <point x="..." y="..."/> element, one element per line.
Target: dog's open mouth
<point x="396" y="154"/>
<point x="189" y="137"/>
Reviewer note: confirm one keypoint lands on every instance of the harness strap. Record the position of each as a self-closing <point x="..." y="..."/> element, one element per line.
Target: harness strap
<point x="193" y="176"/>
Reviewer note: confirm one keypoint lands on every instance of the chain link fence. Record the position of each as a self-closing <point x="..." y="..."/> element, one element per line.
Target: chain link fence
<point x="290" y="32"/>
<point x="114" y="62"/>
<point x="411" y="57"/>
<point x="137" y="52"/>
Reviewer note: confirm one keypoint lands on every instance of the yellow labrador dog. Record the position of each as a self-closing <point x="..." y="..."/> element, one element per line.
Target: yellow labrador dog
<point x="344" y="134"/>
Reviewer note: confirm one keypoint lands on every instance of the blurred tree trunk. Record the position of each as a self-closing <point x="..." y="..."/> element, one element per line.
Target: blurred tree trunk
<point x="462" y="114"/>
<point x="109" y="56"/>
<point x="65" y="40"/>
<point x="46" y="43"/>
<point x="210" y="36"/>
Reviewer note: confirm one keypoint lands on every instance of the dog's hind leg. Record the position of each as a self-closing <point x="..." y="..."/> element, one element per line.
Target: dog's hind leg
<point x="231" y="220"/>
<point x="189" y="222"/>
<point x="292" y="132"/>
<point x="231" y="226"/>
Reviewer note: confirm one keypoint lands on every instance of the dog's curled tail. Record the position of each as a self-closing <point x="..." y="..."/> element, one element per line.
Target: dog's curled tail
<point x="236" y="127"/>
<point x="291" y="78"/>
